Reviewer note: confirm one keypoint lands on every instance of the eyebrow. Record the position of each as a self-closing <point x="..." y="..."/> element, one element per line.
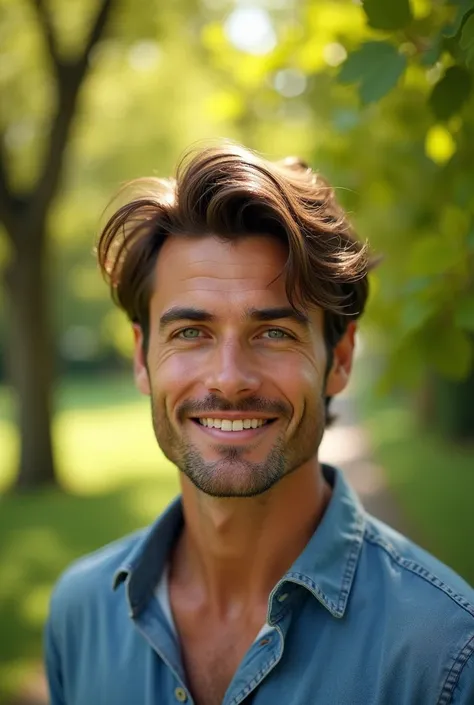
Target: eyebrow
<point x="189" y="313"/>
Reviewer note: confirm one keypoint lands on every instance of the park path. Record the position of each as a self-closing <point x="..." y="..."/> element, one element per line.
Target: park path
<point x="347" y="446"/>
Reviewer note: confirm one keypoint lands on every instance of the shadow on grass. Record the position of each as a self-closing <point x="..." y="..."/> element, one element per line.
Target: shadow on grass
<point x="39" y="536"/>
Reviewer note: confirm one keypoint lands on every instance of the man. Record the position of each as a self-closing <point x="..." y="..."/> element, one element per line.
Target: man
<point x="265" y="582"/>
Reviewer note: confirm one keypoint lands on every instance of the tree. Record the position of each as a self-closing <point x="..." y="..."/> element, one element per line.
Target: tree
<point x="25" y="219"/>
<point x="83" y="109"/>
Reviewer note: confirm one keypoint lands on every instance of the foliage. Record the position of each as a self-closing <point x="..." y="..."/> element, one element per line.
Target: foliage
<point x="399" y="140"/>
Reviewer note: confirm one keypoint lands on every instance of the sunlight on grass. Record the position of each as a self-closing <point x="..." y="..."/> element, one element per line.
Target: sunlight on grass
<point x="9" y="453"/>
<point x="97" y="447"/>
<point x="35" y="606"/>
<point x="100" y="448"/>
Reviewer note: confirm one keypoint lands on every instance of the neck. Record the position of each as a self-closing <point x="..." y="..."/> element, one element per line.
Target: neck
<point x="234" y="550"/>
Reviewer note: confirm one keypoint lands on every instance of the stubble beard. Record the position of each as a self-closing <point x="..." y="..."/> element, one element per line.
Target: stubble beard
<point x="233" y="475"/>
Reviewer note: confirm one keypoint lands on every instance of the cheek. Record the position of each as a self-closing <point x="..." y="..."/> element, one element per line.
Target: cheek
<point x="172" y="376"/>
<point x="298" y="374"/>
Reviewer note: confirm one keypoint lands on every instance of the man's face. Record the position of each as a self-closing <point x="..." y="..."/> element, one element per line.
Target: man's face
<point x="237" y="382"/>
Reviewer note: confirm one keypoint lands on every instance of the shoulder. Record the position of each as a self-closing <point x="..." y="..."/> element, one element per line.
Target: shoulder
<point x="414" y="568"/>
<point x="422" y="608"/>
<point x="90" y="577"/>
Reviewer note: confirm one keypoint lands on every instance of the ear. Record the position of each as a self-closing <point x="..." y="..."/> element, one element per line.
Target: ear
<point x="139" y="362"/>
<point x="343" y="355"/>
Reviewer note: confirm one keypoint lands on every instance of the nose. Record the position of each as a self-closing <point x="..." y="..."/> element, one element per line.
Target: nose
<point x="232" y="373"/>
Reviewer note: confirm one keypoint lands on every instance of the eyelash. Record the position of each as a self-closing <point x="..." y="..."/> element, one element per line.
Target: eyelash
<point x="179" y="333"/>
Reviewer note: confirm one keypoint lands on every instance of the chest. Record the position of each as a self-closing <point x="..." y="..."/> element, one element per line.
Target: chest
<point x="211" y="656"/>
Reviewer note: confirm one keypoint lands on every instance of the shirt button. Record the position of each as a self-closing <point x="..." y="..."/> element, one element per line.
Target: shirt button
<point x="282" y="597"/>
<point x="181" y="695"/>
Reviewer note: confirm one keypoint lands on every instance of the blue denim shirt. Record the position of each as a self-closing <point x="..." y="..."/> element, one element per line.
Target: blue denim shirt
<point x="363" y="617"/>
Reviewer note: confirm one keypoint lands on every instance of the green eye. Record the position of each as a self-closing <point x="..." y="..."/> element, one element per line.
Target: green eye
<point x="189" y="333"/>
<point x="276" y="334"/>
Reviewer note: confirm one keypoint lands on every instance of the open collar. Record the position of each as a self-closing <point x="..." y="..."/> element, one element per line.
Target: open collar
<point x="326" y="567"/>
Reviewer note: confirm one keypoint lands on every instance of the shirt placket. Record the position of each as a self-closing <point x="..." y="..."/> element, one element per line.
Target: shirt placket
<point x="152" y="626"/>
<point x="259" y="662"/>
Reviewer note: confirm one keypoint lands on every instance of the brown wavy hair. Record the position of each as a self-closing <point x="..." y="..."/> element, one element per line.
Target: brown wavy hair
<point x="229" y="191"/>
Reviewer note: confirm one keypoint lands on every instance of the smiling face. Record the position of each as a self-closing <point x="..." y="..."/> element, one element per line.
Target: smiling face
<point x="237" y="379"/>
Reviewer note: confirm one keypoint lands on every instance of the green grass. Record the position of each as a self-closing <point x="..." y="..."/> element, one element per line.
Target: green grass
<point x="432" y="479"/>
<point x="116" y="481"/>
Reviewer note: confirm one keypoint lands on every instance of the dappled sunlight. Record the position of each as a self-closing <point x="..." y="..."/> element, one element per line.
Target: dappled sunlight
<point x="35" y="605"/>
<point x="97" y="448"/>
<point x="100" y="448"/>
<point x="9" y="453"/>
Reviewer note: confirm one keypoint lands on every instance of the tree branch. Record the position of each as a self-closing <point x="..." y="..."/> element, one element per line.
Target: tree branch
<point x="48" y="32"/>
<point x="7" y="200"/>
<point x="98" y="27"/>
<point x="70" y="77"/>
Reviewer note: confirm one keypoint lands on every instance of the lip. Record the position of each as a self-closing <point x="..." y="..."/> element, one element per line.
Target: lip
<point x="232" y="437"/>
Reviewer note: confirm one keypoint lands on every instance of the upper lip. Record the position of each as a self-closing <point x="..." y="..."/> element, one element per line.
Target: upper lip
<point x="232" y="415"/>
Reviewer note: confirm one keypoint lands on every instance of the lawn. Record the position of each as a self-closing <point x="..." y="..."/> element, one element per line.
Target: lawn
<point x="117" y="481"/>
<point x="432" y="479"/>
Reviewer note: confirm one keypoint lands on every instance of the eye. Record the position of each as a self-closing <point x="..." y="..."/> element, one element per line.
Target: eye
<point x="276" y="334"/>
<point x="188" y="333"/>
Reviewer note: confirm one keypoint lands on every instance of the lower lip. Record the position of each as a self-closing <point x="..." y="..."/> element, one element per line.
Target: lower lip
<point x="247" y="434"/>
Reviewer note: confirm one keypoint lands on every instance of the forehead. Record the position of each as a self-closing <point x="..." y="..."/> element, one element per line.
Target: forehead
<point x="189" y="268"/>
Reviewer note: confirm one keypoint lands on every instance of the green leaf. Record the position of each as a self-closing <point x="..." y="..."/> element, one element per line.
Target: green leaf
<point x="451" y="92"/>
<point x="464" y="9"/>
<point x="464" y="314"/>
<point x="466" y="41"/>
<point x="432" y="55"/>
<point x="388" y="15"/>
<point x="376" y="67"/>
<point x="450" y="352"/>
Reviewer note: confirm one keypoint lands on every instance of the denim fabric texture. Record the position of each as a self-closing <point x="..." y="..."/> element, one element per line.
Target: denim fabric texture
<point x="363" y="617"/>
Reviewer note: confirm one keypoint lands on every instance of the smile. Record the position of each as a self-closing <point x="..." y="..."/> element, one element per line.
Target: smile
<point x="233" y="425"/>
<point x="242" y="429"/>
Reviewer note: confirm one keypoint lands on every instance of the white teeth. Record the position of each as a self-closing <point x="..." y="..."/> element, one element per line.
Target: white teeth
<point x="228" y="425"/>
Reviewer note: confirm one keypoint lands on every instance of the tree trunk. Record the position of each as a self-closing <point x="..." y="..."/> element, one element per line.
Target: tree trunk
<point x="30" y="360"/>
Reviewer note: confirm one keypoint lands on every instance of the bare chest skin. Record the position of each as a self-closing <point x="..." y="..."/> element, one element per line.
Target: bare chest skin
<point x="211" y="651"/>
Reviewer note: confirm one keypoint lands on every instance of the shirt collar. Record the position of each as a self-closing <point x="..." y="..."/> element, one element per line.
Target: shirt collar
<point x="326" y="567"/>
<point x="328" y="563"/>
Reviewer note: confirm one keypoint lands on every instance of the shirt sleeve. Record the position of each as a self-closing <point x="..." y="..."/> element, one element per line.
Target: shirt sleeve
<point x="464" y="692"/>
<point x="52" y="662"/>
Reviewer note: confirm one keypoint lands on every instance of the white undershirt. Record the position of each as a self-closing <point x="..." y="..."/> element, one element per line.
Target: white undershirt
<point x="163" y="596"/>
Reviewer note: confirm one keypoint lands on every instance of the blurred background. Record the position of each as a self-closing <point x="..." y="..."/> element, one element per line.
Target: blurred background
<point x="378" y="97"/>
